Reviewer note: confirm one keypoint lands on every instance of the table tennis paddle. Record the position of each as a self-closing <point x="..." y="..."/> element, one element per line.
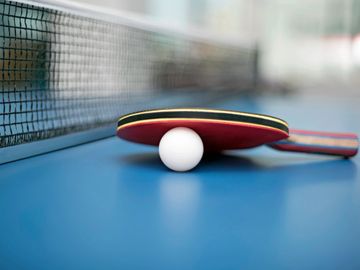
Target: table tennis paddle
<point x="226" y="130"/>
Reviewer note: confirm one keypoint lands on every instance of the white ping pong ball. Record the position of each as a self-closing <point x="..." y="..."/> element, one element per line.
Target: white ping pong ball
<point x="181" y="149"/>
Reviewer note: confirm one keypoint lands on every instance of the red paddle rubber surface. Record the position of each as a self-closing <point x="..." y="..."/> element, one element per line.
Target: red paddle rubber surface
<point x="216" y="135"/>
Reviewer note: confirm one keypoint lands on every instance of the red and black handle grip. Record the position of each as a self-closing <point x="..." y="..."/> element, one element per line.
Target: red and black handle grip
<point x="328" y="143"/>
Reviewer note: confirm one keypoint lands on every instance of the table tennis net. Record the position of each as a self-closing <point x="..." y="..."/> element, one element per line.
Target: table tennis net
<point x="63" y="72"/>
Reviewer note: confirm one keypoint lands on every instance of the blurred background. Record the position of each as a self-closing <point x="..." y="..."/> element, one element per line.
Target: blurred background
<point x="70" y="66"/>
<point x="309" y="45"/>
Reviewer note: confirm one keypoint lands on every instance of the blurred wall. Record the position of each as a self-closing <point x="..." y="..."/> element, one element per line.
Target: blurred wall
<point x="137" y="6"/>
<point x="312" y="45"/>
<point x="224" y="17"/>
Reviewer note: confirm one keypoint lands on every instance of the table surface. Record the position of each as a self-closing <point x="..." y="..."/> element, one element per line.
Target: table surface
<point x="111" y="204"/>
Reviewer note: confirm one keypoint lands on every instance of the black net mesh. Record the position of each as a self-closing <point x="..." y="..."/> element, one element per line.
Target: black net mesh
<point x="62" y="73"/>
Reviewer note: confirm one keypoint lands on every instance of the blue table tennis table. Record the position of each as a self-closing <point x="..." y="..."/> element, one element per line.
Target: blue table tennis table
<point x="111" y="204"/>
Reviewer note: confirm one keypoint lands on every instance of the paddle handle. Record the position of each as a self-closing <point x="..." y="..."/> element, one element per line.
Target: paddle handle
<point x="327" y="143"/>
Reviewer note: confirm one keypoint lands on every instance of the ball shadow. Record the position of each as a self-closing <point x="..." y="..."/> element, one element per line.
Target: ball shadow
<point x="296" y="167"/>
